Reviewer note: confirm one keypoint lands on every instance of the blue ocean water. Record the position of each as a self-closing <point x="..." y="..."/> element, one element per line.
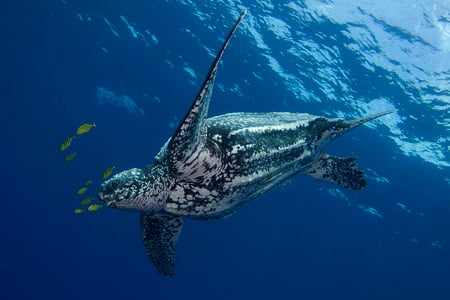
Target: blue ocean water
<point x="134" y="67"/>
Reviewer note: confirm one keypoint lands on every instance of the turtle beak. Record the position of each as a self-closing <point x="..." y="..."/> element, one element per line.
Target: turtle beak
<point x="110" y="203"/>
<point x="102" y="198"/>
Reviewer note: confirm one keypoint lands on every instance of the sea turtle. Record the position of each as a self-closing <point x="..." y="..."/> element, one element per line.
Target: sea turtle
<point x="211" y="167"/>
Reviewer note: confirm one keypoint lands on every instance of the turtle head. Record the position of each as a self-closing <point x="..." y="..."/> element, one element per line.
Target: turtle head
<point x="132" y="189"/>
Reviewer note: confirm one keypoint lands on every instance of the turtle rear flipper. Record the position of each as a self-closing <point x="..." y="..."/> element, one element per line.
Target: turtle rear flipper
<point x="341" y="171"/>
<point x="160" y="233"/>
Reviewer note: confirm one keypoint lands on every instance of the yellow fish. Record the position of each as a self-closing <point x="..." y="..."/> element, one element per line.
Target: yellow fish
<point x="94" y="207"/>
<point x="87" y="201"/>
<point x="88" y="182"/>
<point x="81" y="191"/>
<point x="70" y="156"/>
<point x="66" y="143"/>
<point x="85" y="128"/>
<point x="78" y="211"/>
<point x="107" y="172"/>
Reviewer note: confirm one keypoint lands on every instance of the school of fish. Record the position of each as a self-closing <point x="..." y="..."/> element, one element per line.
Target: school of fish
<point x="83" y="129"/>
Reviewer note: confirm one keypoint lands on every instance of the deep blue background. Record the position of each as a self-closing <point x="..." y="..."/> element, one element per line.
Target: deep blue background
<point x="296" y="242"/>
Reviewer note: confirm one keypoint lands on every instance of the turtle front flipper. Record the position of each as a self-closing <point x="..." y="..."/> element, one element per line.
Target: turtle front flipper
<point x="191" y="133"/>
<point x="160" y="233"/>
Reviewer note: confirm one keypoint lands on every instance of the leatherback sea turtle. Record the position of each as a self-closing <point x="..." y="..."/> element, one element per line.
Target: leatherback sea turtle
<point x="211" y="167"/>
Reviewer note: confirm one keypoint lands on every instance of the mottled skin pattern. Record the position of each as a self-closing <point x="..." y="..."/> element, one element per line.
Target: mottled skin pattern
<point x="159" y="236"/>
<point x="246" y="155"/>
<point x="211" y="167"/>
